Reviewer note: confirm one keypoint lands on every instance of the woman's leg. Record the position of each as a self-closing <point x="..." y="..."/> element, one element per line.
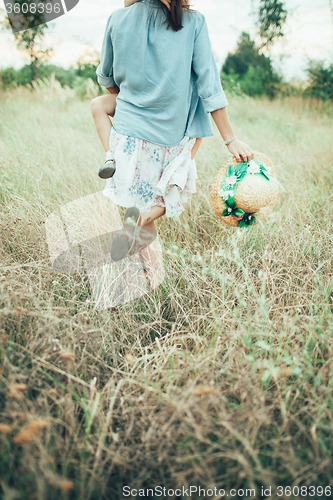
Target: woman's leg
<point x="101" y="109"/>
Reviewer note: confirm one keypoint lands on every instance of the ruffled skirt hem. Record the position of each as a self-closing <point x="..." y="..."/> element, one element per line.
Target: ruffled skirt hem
<point x="149" y="175"/>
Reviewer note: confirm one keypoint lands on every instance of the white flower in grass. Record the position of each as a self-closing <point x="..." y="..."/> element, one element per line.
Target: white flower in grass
<point x="253" y="168"/>
<point x="225" y="194"/>
<point x="231" y="180"/>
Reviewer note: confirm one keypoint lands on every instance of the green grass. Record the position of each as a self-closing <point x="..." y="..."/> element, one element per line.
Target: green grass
<point x="221" y="377"/>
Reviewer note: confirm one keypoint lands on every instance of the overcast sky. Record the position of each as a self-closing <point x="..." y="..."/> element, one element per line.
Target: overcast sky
<point x="309" y="32"/>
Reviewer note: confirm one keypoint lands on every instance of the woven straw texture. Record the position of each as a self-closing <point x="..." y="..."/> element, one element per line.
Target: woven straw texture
<point x="254" y="194"/>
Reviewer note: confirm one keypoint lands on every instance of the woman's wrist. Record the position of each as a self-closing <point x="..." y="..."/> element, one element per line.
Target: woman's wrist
<point x="229" y="141"/>
<point x="220" y="117"/>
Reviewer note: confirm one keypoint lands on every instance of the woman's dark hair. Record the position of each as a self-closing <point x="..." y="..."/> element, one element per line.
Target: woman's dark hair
<point x="174" y="16"/>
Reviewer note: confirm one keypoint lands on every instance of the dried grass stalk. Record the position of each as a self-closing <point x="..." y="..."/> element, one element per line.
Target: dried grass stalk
<point x="5" y="428"/>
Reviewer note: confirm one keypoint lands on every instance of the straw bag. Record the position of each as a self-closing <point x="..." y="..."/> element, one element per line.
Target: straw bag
<point x="244" y="193"/>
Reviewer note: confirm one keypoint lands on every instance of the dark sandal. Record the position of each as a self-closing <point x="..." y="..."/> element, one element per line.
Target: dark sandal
<point x="108" y="169"/>
<point x="125" y="239"/>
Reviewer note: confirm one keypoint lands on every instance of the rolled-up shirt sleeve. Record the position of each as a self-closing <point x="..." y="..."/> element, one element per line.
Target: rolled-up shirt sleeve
<point x="105" y="69"/>
<point x="204" y="66"/>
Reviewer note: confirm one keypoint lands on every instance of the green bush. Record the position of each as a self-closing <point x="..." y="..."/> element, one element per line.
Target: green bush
<point x="86" y="70"/>
<point x="10" y="76"/>
<point x="320" y="80"/>
<point x="253" y="72"/>
<point x="231" y="83"/>
<point x="74" y="78"/>
<point x="7" y="76"/>
<point x="66" y="77"/>
<point x="259" y="81"/>
<point x="23" y="76"/>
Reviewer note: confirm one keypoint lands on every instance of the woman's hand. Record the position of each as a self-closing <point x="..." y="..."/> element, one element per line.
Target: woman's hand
<point x="241" y="151"/>
<point x="127" y="3"/>
<point x="167" y="3"/>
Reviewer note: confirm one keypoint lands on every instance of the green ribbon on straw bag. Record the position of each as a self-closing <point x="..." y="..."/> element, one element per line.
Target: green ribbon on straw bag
<point x="229" y="189"/>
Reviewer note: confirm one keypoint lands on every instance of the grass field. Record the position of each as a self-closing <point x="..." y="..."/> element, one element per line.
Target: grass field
<point x="221" y="377"/>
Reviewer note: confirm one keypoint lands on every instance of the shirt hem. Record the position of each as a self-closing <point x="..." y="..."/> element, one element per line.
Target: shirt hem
<point x="197" y="136"/>
<point x="137" y="136"/>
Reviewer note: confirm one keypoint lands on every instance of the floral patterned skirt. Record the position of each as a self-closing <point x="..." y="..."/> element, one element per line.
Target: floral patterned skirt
<point x="148" y="175"/>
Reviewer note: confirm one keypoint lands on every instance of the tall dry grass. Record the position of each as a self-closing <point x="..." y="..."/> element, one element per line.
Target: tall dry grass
<point x="222" y="377"/>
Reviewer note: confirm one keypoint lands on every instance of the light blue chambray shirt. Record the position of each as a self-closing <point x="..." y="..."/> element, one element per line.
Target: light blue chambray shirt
<point x="168" y="80"/>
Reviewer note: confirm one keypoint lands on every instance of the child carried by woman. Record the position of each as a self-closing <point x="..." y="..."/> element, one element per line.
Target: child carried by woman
<point x="103" y="107"/>
<point x="157" y="55"/>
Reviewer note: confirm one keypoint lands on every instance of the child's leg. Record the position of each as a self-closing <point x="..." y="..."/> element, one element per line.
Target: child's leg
<point x="101" y="109"/>
<point x="147" y="218"/>
<point x="195" y="148"/>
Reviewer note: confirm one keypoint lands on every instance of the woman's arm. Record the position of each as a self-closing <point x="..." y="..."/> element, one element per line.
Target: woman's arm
<point x="105" y="68"/>
<point x="239" y="149"/>
<point x="211" y="92"/>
